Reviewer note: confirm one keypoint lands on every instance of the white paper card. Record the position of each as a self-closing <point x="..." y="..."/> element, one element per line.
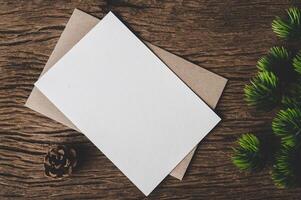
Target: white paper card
<point x="128" y="103"/>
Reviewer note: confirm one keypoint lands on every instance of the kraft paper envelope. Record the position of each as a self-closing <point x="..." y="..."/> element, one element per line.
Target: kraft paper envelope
<point x="204" y="83"/>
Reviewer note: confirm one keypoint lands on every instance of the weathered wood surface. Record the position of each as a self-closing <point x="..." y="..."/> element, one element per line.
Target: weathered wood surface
<point x="225" y="36"/>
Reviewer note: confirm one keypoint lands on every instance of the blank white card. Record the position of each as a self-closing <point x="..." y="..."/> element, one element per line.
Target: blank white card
<point x="128" y="103"/>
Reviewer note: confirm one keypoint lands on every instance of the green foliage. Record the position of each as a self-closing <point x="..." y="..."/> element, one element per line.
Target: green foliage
<point x="248" y="155"/>
<point x="277" y="83"/>
<point x="287" y="125"/>
<point x="278" y="61"/>
<point x="292" y="97"/>
<point x="288" y="27"/>
<point x="297" y="62"/>
<point x="263" y="91"/>
<point x="276" y="58"/>
<point x="291" y="102"/>
<point x="287" y="168"/>
<point x="275" y="77"/>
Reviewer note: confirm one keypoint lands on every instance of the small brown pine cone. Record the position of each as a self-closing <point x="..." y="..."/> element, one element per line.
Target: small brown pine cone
<point x="60" y="161"/>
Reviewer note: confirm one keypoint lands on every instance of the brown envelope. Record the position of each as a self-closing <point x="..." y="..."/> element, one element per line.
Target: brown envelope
<point x="204" y="83"/>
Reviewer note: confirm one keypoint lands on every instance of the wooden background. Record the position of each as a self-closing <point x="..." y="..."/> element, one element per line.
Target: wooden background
<point x="224" y="36"/>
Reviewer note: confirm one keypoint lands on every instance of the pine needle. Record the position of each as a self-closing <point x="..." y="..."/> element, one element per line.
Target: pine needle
<point x="288" y="27"/>
<point x="297" y="62"/>
<point x="292" y="97"/>
<point x="287" y="125"/>
<point x="279" y="61"/>
<point x="248" y="155"/>
<point x="286" y="171"/>
<point x="263" y="91"/>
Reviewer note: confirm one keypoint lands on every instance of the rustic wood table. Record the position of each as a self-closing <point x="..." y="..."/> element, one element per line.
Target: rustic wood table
<point x="224" y="36"/>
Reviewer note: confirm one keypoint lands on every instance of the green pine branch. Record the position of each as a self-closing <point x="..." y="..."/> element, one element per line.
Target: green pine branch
<point x="277" y="83"/>
<point x="279" y="61"/>
<point x="248" y="155"/>
<point x="292" y="97"/>
<point x="297" y="62"/>
<point x="287" y="168"/>
<point x="291" y="102"/>
<point x="287" y="125"/>
<point x="276" y="58"/>
<point x="263" y="91"/>
<point x="288" y="27"/>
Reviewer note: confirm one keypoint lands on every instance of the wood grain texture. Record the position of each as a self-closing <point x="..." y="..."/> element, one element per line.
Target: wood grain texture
<point x="224" y="36"/>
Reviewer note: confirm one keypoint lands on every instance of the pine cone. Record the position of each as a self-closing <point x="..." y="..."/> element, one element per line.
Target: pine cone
<point x="60" y="161"/>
